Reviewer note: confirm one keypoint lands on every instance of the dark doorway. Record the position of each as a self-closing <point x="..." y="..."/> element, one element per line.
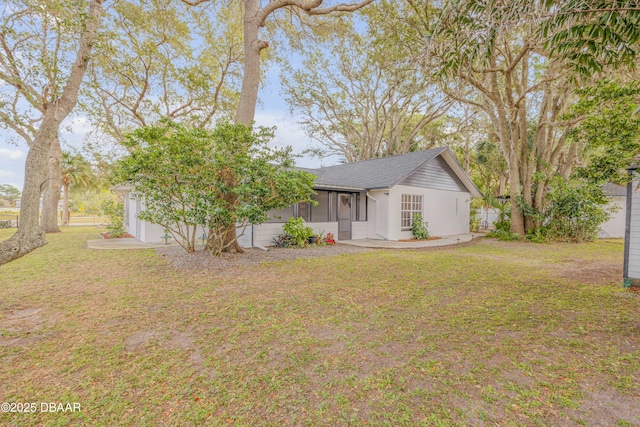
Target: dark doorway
<point x="344" y="216"/>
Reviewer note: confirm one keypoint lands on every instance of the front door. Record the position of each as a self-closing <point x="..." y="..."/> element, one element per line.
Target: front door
<point x="344" y="217"/>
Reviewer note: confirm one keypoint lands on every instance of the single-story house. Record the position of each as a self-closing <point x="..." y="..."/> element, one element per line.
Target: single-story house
<point x="631" y="271"/>
<point x="371" y="199"/>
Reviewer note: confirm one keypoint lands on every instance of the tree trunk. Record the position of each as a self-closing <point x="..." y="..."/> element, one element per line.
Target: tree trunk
<point x="51" y="197"/>
<point x="529" y="224"/>
<point x="248" y="95"/>
<point x="65" y="205"/>
<point x="29" y="235"/>
<point x="502" y="185"/>
<point x="467" y="157"/>
<point x="251" y="75"/>
<point x="517" y="218"/>
<point x="230" y="242"/>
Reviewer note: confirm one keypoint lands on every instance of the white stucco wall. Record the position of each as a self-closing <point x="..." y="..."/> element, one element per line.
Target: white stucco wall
<point x="379" y="215"/>
<point x="245" y="236"/>
<point x="263" y="234"/>
<point x="130" y="212"/>
<point x="325" y="227"/>
<point x="616" y="225"/>
<point x="371" y="219"/>
<point x="151" y="233"/>
<point x="634" y="240"/>
<point x="359" y="230"/>
<point x="447" y="212"/>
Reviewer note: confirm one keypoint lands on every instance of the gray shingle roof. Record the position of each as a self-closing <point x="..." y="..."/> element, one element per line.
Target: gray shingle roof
<point x="384" y="172"/>
<point x="610" y="189"/>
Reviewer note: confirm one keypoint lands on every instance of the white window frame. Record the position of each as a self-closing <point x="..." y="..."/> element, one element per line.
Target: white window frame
<point x="410" y="204"/>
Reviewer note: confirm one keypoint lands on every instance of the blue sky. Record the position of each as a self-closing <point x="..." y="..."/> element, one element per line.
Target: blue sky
<point x="271" y="111"/>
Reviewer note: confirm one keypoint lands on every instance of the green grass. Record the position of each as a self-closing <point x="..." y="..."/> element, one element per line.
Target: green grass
<point x="494" y="333"/>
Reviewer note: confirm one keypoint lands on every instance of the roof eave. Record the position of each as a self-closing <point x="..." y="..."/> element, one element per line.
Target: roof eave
<point x="337" y="187"/>
<point x="464" y="177"/>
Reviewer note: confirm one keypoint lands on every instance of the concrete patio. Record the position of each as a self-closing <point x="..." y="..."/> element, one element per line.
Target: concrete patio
<point x="452" y="240"/>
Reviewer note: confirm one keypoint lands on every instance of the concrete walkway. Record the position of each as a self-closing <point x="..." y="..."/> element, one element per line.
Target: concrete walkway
<point x="364" y="243"/>
<point x="388" y="244"/>
<point x="123" y="244"/>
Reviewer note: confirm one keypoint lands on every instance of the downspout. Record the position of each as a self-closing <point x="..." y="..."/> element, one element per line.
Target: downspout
<point x="627" y="227"/>
<point x="375" y="200"/>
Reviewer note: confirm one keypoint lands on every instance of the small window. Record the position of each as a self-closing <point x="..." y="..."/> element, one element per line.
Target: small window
<point x="411" y="204"/>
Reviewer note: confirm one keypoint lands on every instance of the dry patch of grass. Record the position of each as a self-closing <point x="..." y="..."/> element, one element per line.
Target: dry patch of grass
<point x="493" y="333"/>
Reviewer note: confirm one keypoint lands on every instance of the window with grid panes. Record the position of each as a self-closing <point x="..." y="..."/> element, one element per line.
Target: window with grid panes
<point x="411" y="204"/>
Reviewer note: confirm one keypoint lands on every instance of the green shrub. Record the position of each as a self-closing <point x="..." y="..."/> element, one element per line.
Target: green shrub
<point x="504" y="225"/>
<point x="537" y="236"/>
<point x="419" y="227"/>
<point x="474" y="220"/>
<point x="115" y="212"/>
<point x="574" y="212"/>
<point x="296" y="228"/>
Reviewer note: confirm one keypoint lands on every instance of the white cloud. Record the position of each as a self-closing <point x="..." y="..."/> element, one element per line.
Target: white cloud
<point x="77" y="126"/>
<point x="6" y="174"/>
<point x="11" y="154"/>
<point x="289" y="132"/>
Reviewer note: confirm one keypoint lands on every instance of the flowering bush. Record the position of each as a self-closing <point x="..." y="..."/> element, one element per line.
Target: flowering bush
<point x="329" y="240"/>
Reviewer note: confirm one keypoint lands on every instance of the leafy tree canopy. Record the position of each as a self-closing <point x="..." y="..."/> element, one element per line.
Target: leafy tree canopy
<point x="610" y="132"/>
<point x="9" y="192"/>
<point x="591" y="35"/>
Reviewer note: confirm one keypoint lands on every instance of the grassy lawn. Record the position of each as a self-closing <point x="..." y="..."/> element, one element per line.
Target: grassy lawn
<point x="492" y="333"/>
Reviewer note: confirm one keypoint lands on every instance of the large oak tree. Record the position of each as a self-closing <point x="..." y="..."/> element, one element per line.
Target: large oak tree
<point x="491" y="55"/>
<point x="255" y="17"/>
<point x="160" y="60"/>
<point x="362" y="97"/>
<point x="60" y="98"/>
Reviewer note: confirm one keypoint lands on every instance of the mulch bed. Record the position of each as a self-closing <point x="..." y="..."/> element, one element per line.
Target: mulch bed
<point x="201" y="260"/>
